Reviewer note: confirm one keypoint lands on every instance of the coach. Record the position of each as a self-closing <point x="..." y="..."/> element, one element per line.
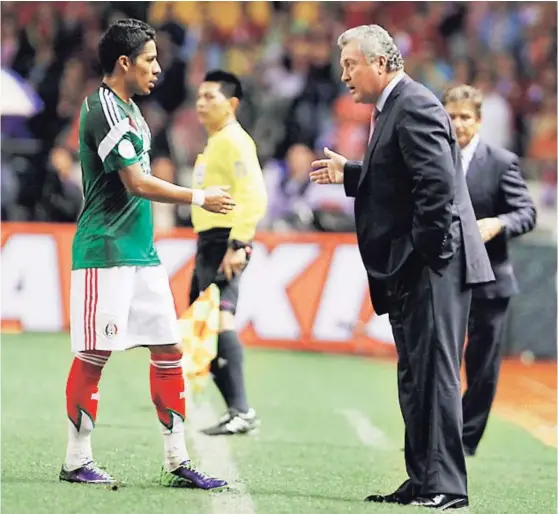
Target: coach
<point x="422" y="250"/>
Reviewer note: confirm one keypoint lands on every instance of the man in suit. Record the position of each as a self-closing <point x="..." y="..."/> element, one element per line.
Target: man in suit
<point x="504" y="209"/>
<point x="421" y="248"/>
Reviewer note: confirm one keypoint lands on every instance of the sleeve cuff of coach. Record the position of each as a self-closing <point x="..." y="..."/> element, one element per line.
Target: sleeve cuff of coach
<point x="351" y="176"/>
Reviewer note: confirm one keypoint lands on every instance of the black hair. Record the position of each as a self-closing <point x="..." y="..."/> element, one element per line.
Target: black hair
<point x="230" y="85"/>
<point x="123" y="37"/>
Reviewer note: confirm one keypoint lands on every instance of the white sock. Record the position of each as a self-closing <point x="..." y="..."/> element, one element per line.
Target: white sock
<point x="78" y="451"/>
<point x="175" y="444"/>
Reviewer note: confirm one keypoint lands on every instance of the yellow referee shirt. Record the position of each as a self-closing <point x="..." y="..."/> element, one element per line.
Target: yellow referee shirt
<point x="230" y="159"/>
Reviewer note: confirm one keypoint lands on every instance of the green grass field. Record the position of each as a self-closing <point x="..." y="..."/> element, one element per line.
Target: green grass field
<point x="310" y="456"/>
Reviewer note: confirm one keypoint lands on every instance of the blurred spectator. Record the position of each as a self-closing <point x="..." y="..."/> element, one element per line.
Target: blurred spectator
<point x="10" y="188"/>
<point x="543" y="132"/>
<point x="287" y="184"/>
<point x="350" y="129"/>
<point x="62" y="193"/>
<point x="9" y="41"/>
<point x="497" y="120"/>
<point x="298" y="204"/>
<point x="295" y="104"/>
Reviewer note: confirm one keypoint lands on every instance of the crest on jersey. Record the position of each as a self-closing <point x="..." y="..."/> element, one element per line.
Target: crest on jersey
<point x="126" y="149"/>
<point x="240" y="169"/>
<point x="111" y="330"/>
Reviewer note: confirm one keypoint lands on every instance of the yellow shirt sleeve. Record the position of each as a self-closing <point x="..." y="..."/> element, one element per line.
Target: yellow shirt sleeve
<point x="248" y="191"/>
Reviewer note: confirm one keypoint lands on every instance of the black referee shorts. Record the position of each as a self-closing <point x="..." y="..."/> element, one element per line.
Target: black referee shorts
<point x="212" y="246"/>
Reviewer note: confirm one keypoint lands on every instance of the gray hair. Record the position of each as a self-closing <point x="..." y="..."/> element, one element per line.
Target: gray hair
<point x="374" y="41"/>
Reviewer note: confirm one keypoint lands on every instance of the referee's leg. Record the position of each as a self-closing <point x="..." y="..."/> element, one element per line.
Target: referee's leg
<point x="228" y="366"/>
<point x="228" y="369"/>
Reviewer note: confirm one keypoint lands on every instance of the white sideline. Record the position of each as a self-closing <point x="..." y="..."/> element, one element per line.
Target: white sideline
<point x="214" y="457"/>
<point x="368" y="434"/>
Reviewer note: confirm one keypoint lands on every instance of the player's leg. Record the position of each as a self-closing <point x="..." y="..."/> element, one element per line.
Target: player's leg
<point x="153" y="323"/>
<point x="99" y="300"/>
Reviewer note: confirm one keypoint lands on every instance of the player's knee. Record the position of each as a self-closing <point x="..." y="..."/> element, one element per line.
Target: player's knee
<point x="172" y="349"/>
<point x="226" y="320"/>
<point x="95" y="357"/>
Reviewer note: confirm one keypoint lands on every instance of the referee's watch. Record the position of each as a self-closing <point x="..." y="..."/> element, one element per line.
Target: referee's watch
<point x="235" y="244"/>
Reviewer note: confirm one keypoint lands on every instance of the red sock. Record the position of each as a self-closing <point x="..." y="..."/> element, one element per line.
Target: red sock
<point x="167" y="387"/>
<point x="82" y="388"/>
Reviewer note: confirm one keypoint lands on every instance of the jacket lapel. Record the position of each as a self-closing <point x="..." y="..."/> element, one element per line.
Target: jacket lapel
<point x="474" y="175"/>
<point x="380" y="124"/>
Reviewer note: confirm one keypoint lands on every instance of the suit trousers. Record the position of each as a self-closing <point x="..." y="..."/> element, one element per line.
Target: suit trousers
<point x="482" y="365"/>
<point x="428" y="311"/>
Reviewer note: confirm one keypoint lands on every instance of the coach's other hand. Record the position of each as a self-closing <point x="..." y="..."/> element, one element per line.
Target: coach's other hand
<point x="330" y="170"/>
<point x="218" y="200"/>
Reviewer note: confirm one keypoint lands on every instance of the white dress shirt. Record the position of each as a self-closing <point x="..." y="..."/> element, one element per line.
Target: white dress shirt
<point x="384" y="95"/>
<point x="382" y="100"/>
<point x="468" y="153"/>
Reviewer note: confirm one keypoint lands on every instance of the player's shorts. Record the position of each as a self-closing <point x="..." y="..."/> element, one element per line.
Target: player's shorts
<point x="212" y="246"/>
<point x="121" y="307"/>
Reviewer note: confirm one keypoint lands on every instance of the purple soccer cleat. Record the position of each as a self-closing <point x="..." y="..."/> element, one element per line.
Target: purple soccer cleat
<point x="187" y="476"/>
<point x="89" y="473"/>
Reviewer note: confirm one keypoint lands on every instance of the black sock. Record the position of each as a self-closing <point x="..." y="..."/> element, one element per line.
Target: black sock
<point x="228" y="372"/>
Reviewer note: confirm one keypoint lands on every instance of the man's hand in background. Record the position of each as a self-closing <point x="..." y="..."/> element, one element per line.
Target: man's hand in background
<point x="489" y="228"/>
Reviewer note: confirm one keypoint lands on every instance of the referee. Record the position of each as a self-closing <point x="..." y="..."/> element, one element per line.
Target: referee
<point x="225" y="241"/>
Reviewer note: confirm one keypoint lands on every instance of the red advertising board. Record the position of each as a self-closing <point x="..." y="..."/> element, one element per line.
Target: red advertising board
<point x="301" y="291"/>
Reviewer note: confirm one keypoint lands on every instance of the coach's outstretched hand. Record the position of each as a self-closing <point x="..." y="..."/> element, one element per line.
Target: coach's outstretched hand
<point x="218" y="200"/>
<point x="330" y="170"/>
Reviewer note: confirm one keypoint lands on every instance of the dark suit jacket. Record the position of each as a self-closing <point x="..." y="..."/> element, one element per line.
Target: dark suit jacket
<point x="411" y="198"/>
<point x="497" y="189"/>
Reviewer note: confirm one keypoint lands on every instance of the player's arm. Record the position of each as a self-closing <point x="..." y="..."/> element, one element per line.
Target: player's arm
<point x="140" y="184"/>
<point x="116" y="143"/>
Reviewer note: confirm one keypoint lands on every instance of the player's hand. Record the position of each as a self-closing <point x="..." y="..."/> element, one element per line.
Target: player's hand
<point x="218" y="200"/>
<point x="330" y="170"/>
<point x="233" y="262"/>
<point x="489" y="228"/>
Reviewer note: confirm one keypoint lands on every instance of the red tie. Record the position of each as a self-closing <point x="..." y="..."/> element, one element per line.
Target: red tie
<point x="374" y="117"/>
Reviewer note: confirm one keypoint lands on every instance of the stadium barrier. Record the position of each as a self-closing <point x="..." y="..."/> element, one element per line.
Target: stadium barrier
<point x="305" y="291"/>
<point x="301" y="291"/>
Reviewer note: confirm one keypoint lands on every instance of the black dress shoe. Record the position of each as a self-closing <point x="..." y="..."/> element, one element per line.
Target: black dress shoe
<point x="441" y="501"/>
<point x="388" y="498"/>
<point x="403" y="495"/>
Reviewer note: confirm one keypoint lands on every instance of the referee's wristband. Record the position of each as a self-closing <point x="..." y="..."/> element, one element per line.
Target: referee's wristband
<point x="235" y="244"/>
<point x="198" y="197"/>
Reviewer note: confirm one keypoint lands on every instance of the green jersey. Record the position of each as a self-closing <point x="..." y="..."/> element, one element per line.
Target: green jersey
<point x="114" y="227"/>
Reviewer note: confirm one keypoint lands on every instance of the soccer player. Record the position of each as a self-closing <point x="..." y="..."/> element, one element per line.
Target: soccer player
<point x="224" y="242"/>
<point x="120" y="294"/>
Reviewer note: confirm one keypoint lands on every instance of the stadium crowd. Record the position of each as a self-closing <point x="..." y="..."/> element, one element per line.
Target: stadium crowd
<point x="295" y="104"/>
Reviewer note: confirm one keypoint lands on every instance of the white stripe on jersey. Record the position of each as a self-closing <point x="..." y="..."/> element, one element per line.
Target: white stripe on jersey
<point x="113" y="138"/>
<point x="111" y="120"/>
<point x="112" y="106"/>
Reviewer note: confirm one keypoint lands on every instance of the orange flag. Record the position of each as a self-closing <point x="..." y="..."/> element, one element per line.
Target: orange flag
<point x="199" y="326"/>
